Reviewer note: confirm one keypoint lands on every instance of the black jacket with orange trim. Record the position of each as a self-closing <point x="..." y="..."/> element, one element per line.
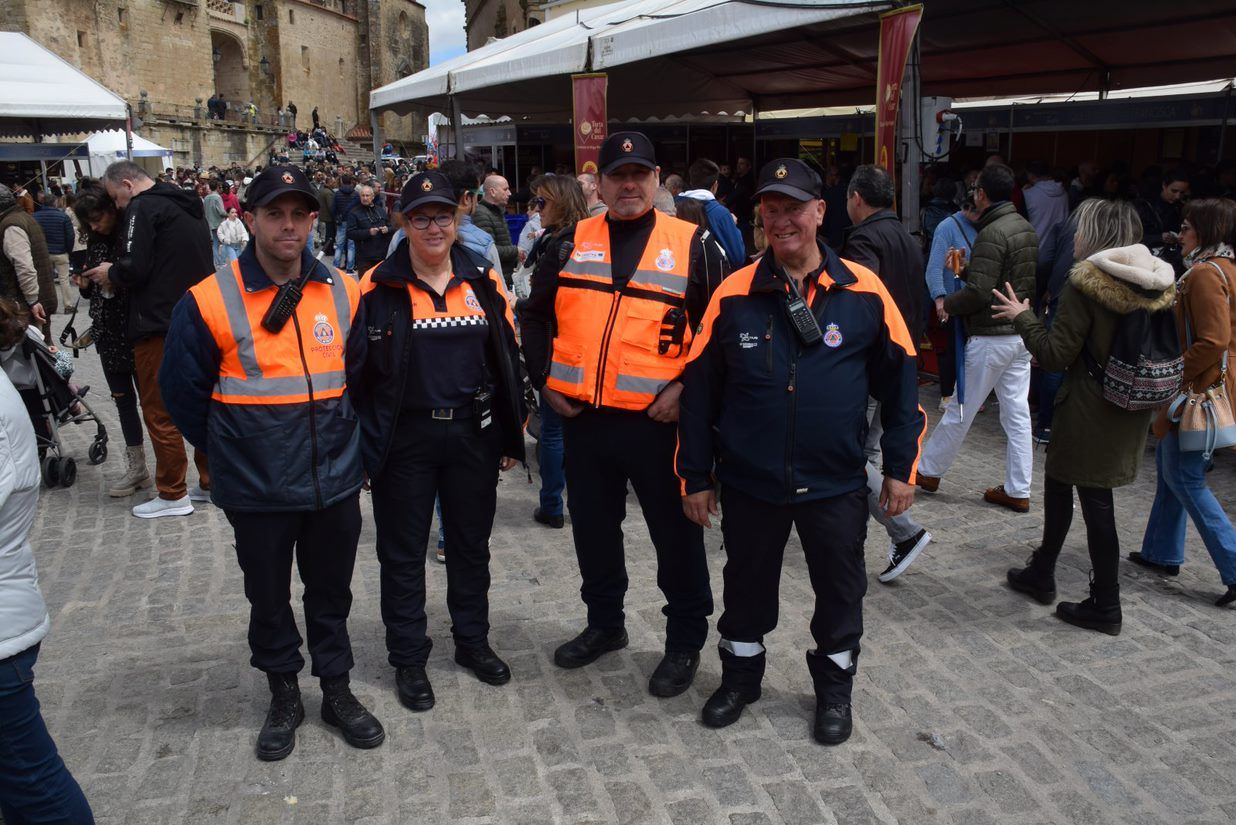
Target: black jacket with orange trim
<point x="784" y="422"/>
<point x="378" y="362"/>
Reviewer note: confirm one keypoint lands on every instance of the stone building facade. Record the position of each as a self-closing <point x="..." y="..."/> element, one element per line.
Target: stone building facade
<point x="167" y="57"/>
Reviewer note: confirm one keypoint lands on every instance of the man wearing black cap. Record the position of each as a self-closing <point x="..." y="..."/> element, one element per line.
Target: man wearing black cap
<point x="253" y="370"/>
<point x="625" y="295"/>
<point x="775" y="411"/>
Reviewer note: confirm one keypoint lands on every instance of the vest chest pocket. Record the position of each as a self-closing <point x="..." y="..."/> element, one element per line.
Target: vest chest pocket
<point x="642" y="326"/>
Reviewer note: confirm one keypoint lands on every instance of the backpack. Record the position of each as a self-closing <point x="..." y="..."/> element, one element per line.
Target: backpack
<point x="1146" y="365"/>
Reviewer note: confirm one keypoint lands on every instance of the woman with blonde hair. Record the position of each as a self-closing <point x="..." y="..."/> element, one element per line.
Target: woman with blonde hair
<point x="1206" y="321"/>
<point x="1096" y="446"/>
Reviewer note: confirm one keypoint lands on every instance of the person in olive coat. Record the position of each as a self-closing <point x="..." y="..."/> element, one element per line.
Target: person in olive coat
<point x="1096" y="446"/>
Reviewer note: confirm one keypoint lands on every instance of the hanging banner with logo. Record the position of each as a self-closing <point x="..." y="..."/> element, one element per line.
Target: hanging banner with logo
<point x="589" y="92"/>
<point x="897" y="30"/>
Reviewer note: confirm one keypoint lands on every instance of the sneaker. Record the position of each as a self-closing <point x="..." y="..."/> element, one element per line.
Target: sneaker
<point x="440" y="554"/>
<point x="944" y="402"/>
<point x="159" y="507"/>
<point x="198" y="493"/>
<point x="902" y="554"/>
<point x="1042" y="435"/>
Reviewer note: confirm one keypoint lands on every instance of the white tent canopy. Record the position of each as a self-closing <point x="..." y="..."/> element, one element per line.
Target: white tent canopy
<point x="44" y="95"/>
<point x="656" y="41"/>
<point x="108" y="147"/>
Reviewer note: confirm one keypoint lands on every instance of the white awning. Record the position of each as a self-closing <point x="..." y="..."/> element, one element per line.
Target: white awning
<point x="112" y="144"/>
<point x="44" y="95"/>
<point x="655" y="41"/>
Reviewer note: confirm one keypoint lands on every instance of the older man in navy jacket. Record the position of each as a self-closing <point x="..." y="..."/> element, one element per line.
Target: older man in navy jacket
<point x="774" y="409"/>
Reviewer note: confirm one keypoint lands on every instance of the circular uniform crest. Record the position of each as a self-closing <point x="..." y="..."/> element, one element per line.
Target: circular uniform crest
<point x="287" y="178"/>
<point x="426" y="185"/>
<point x="781" y="172"/>
<point x="322" y="330"/>
<point x="628" y="146"/>
<point x="832" y="336"/>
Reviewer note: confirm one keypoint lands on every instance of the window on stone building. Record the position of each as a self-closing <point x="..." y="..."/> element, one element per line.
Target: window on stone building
<point x="291" y="15"/>
<point x="81" y="40"/>
<point x="257" y="10"/>
<point x="180" y="17"/>
<point x="122" y="15"/>
<point x="304" y="58"/>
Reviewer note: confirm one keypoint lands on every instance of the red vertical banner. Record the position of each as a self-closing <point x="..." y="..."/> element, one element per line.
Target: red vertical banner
<point x="897" y="30"/>
<point x="588" y="91"/>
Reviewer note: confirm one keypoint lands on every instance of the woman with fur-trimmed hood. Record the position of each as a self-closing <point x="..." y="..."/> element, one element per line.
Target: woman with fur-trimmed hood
<point x="1095" y="446"/>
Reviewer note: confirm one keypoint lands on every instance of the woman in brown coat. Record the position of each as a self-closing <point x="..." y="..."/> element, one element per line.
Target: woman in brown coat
<point x="1206" y="303"/>
<point x="1095" y="446"/>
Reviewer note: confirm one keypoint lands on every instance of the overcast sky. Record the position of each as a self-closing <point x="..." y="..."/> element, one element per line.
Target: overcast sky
<point x="446" y="29"/>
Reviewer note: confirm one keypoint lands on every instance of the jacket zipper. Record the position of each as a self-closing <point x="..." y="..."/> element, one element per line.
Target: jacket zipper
<point x="768" y="348"/>
<point x="313" y="420"/>
<point x="605" y="339"/>
<point x="792" y="389"/>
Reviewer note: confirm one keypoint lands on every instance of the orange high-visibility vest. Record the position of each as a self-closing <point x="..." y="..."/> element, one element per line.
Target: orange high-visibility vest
<point x="613" y="347"/>
<point x="260" y="367"/>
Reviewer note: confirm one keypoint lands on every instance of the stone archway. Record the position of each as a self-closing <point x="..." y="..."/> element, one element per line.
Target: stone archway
<point x="230" y="69"/>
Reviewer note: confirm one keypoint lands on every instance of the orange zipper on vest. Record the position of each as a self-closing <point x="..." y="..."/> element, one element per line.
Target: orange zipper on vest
<point x="605" y="339"/>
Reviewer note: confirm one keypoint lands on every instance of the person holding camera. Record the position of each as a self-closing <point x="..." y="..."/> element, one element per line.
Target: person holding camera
<point x="774" y="410"/>
<point x="253" y="370"/>
<point x="434" y="369"/>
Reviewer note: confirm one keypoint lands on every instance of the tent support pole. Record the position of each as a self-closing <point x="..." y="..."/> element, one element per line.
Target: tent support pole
<point x="457" y="127"/>
<point x="911" y="123"/>
<point x="1227" y="108"/>
<point x="755" y="116"/>
<point x="128" y="132"/>
<point x="375" y="126"/>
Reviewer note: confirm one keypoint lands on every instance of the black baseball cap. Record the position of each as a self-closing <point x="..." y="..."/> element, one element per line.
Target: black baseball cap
<point x="427" y="187"/>
<point x="789" y="176"/>
<point x="622" y="148"/>
<point x="274" y="181"/>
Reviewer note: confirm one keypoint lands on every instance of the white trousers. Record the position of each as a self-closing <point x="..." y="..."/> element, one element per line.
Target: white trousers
<point x="993" y="362"/>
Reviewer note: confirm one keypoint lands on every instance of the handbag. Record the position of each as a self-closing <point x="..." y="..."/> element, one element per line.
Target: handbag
<point x="1205" y="418"/>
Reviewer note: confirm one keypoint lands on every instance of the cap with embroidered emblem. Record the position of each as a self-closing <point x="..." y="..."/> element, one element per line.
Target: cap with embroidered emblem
<point x="789" y="176"/>
<point x="424" y="188"/>
<point x="622" y="148"/>
<point x="275" y="181"/>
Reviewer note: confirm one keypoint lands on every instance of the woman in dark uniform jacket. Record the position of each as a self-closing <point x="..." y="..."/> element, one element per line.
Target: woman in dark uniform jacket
<point x="433" y="373"/>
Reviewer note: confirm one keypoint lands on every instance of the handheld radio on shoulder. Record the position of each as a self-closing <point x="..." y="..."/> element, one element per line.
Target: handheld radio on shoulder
<point x="284" y="304"/>
<point x="801" y="317"/>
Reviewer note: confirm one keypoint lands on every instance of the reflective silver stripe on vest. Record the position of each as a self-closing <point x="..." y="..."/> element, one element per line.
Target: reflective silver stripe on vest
<point x="343" y="307"/>
<point x="598" y="268"/>
<point x="571" y="375"/>
<point x="238" y="320"/>
<point x="636" y="383"/>
<point x="668" y="281"/>
<point x="742" y="650"/>
<point x="275" y="387"/>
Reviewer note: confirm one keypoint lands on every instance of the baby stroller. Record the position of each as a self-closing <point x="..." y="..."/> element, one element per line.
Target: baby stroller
<point x="53" y="404"/>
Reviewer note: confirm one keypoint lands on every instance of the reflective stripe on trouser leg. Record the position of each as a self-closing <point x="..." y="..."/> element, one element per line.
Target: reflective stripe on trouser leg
<point x="742" y="649"/>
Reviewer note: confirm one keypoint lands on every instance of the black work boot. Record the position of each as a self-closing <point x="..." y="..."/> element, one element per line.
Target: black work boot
<point x="1100" y="612"/>
<point x="674" y="673"/>
<point x="342" y="710"/>
<point x="590" y="645"/>
<point x="1037" y="579"/>
<point x="740" y="686"/>
<point x="278" y="736"/>
<point x="833" y="685"/>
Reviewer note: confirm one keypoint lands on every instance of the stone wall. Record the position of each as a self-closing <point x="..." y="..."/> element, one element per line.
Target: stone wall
<point x="319" y="56"/>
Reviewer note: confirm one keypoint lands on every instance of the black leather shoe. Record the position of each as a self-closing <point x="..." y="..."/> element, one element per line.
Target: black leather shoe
<point x="412" y="685"/>
<point x="1164" y="569"/>
<point x="1228" y="597"/>
<point x="589" y="646"/>
<point x="483" y="662"/>
<point x="278" y="736"/>
<point x="833" y="723"/>
<point x="541" y="517"/>
<point x="342" y="710"/>
<point x="1037" y="579"/>
<point x="725" y="706"/>
<point x="674" y="674"/>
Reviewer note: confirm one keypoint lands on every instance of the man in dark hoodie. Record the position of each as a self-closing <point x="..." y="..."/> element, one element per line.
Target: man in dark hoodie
<point x="166" y="251"/>
<point x="345" y="198"/>
<point x="879" y="241"/>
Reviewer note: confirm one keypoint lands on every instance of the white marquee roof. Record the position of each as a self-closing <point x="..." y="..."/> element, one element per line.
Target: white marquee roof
<point x="45" y="95"/>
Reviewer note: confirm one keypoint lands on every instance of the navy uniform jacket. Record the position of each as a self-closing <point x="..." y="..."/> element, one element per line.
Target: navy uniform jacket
<point x="786" y="423"/>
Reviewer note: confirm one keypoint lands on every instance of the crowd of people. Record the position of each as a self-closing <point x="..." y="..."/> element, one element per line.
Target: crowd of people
<point x="312" y="331"/>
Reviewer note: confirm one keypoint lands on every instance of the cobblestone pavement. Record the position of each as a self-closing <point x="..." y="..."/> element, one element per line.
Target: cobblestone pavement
<point x="973" y="704"/>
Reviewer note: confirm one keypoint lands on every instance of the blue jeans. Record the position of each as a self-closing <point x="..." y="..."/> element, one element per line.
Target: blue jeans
<point x="1182" y="491"/>
<point x="216" y="250"/>
<point x="549" y="455"/>
<point x="345" y="250"/>
<point x="309" y="240"/>
<point x="1049" y="385"/>
<point x="35" y="786"/>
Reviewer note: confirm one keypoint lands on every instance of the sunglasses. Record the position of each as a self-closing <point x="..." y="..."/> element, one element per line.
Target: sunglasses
<point x="442" y="219"/>
<point x="539" y="202"/>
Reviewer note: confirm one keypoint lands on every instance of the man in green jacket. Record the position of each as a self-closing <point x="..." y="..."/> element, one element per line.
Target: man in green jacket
<point x="490" y="215"/>
<point x="1005" y="251"/>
